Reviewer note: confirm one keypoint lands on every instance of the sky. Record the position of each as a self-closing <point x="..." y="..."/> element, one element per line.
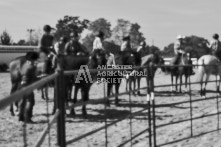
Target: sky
<point x="160" y="20"/>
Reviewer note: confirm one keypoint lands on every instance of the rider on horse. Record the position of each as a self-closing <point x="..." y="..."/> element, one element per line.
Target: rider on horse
<point x="45" y="47"/>
<point x="126" y="46"/>
<point x="179" y="52"/>
<point x="178" y="49"/>
<point x="98" y="46"/>
<point x="215" y="46"/>
<point x="141" y="48"/>
<point x="74" y="47"/>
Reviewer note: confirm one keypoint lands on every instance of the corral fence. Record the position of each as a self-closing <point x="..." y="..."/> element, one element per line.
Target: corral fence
<point x="59" y="116"/>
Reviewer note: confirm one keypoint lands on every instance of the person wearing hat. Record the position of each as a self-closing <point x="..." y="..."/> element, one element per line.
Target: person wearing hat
<point x="178" y="49"/>
<point x="74" y="47"/>
<point x="98" y="41"/>
<point x="215" y="46"/>
<point x="141" y="47"/>
<point x="45" y="47"/>
<point x="98" y="45"/>
<point x="125" y="46"/>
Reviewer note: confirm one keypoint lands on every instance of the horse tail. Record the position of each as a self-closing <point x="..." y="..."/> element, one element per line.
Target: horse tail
<point x="200" y="71"/>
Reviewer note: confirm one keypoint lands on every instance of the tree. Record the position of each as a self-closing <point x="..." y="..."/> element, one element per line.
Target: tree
<point x="87" y="41"/>
<point x="70" y="24"/>
<point x="5" y="38"/>
<point x="100" y="24"/>
<point x="124" y="28"/>
<point x="154" y="49"/>
<point x="136" y="35"/>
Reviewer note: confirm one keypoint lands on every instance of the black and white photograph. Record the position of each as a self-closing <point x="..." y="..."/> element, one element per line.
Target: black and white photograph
<point x="110" y="73"/>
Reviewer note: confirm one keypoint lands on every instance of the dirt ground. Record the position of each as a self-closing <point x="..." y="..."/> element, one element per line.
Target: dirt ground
<point x="167" y="134"/>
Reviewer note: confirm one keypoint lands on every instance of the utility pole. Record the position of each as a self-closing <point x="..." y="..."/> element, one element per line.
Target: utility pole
<point x="30" y="31"/>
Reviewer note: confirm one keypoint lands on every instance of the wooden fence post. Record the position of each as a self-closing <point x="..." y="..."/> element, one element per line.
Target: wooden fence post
<point x="60" y="102"/>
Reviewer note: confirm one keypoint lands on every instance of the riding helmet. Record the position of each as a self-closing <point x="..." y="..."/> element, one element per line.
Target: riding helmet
<point x="47" y="28"/>
<point x="215" y="36"/>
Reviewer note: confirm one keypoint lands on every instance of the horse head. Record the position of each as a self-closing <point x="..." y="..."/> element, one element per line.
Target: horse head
<point x="128" y="58"/>
<point x="98" y="58"/>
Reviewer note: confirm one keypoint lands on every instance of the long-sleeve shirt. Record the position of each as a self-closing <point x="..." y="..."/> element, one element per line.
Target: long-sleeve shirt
<point x="97" y="44"/>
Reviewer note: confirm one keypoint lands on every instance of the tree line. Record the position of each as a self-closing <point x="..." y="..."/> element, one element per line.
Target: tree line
<point x="113" y="36"/>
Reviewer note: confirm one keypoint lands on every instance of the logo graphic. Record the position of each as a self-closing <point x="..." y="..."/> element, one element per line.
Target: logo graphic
<point x="84" y="70"/>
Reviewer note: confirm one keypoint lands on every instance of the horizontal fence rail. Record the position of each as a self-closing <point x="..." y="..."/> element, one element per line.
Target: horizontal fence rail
<point x="44" y="132"/>
<point x="24" y="91"/>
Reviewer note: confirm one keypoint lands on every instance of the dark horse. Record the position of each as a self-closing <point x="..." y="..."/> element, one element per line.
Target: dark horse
<point x="149" y="62"/>
<point x="125" y="58"/>
<point x="179" y="71"/>
<point x="79" y="80"/>
<point x="17" y="69"/>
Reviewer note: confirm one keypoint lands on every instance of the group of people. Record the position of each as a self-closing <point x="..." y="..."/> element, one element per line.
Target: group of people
<point x="74" y="47"/>
<point x="179" y="48"/>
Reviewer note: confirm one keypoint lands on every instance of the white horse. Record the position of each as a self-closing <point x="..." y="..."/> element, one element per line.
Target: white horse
<point x="208" y="65"/>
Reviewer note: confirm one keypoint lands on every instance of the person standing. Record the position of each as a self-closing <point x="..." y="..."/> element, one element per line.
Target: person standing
<point x="27" y="77"/>
<point x="98" y="46"/>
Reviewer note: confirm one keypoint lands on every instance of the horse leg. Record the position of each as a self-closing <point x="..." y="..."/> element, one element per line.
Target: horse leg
<point x="148" y="88"/>
<point x="171" y="82"/>
<point x="109" y="89"/>
<point x="85" y="98"/>
<point x="75" y="93"/>
<point x="134" y="84"/>
<point x="204" y="86"/>
<point x="138" y="85"/>
<point x="55" y="103"/>
<point x="42" y="94"/>
<point x="181" y="82"/>
<point x="69" y="92"/>
<point x="218" y="85"/>
<point x="186" y="78"/>
<point x="117" y="85"/>
<point x="176" y="83"/>
<point x="13" y="89"/>
<point x="45" y="92"/>
<point x="127" y="83"/>
<point x="72" y="111"/>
